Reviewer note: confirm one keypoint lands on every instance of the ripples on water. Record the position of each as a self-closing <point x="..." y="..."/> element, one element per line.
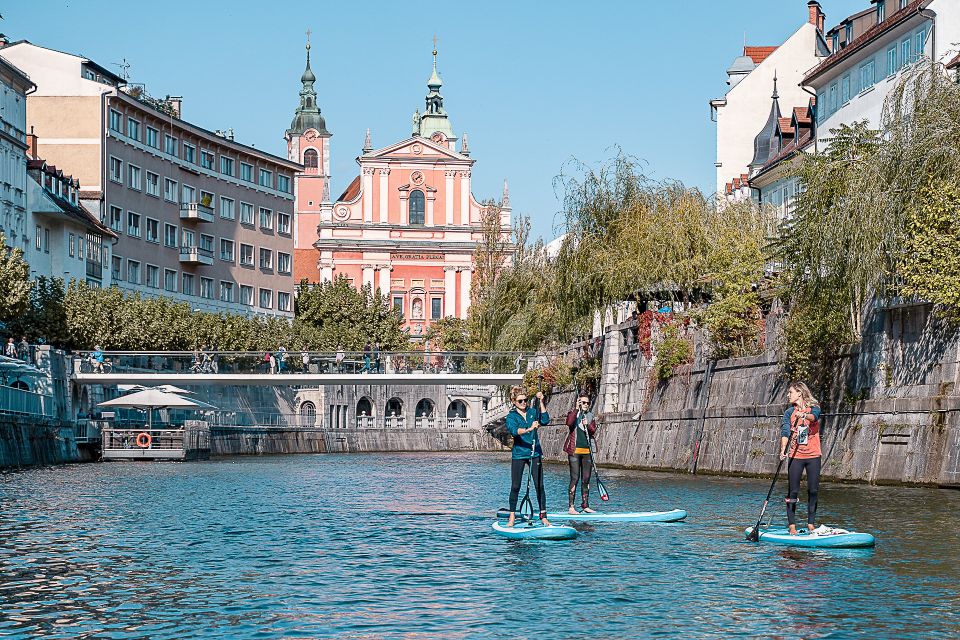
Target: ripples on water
<point x="373" y="546"/>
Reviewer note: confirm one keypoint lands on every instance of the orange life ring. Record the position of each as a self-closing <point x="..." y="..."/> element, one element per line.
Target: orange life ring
<point x="144" y="440"/>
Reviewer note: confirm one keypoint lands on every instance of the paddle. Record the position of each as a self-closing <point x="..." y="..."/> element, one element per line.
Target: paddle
<point x="526" y="505"/>
<point x="602" y="490"/>
<point x="754" y="535"/>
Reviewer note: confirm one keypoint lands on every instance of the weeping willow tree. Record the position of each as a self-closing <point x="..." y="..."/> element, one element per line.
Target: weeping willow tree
<point x="872" y="201"/>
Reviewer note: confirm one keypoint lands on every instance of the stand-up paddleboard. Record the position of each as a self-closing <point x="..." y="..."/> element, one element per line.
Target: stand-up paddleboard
<point x="822" y="537"/>
<point x="639" y="516"/>
<point x="529" y="531"/>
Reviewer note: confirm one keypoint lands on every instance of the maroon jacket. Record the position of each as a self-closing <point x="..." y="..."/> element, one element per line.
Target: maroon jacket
<point x="571" y="443"/>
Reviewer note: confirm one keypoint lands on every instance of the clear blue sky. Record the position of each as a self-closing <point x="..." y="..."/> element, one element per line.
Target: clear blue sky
<point x="534" y="84"/>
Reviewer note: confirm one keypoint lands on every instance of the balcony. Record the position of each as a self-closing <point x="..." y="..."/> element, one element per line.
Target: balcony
<point x="196" y="255"/>
<point x="196" y="211"/>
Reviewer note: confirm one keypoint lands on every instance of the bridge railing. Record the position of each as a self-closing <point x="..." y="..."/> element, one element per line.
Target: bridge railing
<point x="311" y="362"/>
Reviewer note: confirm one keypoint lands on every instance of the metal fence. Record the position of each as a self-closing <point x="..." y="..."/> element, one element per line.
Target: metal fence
<point x="20" y="402"/>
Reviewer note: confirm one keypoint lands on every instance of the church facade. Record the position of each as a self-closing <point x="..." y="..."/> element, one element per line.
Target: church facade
<point x="407" y="225"/>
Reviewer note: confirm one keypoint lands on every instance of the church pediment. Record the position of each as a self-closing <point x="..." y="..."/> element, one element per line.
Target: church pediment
<point x="416" y="148"/>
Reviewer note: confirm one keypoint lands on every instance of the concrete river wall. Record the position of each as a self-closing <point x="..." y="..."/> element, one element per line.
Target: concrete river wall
<point x="892" y="414"/>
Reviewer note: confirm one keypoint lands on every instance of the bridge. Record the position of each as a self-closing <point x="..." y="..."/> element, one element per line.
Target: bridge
<point x="299" y="368"/>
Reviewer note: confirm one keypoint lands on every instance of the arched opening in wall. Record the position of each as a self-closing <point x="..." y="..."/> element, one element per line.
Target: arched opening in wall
<point x="310" y="158"/>
<point x="308" y="414"/>
<point x="425" y="409"/>
<point x="20" y="384"/>
<point x="416" y="207"/>
<point x="457" y="409"/>
<point x="364" y="407"/>
<point x="394" y="408"/>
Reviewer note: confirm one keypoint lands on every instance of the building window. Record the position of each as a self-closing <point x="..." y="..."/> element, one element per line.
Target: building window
<point x="153" y="276"/>
<point x="246" y="173"/>
<point x="116" y="219"/>
<point x="311" y="159"/>
<point x="848" y="33"/>
<point x="46" y="240"/>
<point x="416" y="207"/>
<point x="153" y="138"/>
<point x="116" y="169"/>
<point x="226" y="208"/>
<point x="881" y="10"/>
<point x="905" y="52"/>
<point x="116" y="264"/>
<point x="189" y="194"/>
<point x="283" y="184"/>
<point x="266" y="258"/>
<point x="266" y="218"/>
<point x="207" y="199"/>
<point x="284" y="264"/>
<point x="866" y="76"/>
<point x="266" y="178"/>
<point x="170" y="145"/>
<point x="206" y="288"/>
<point x="833" y="99"/>
<point x="186" y="287"/>
<point x="133" y="272"/>
<point x="266" y="299"/>
<point x="169" y="190"/>
<point x="72" y="246"/>
<point x="80" y="248"/>
<point x="246" y="255"/>
<point x="226" y="166"/>
<point x="206" y="159"/>
<point x="246" y="295"/>
<point x="170" y="280"/>
<point x="116" y="121"/>
<point x="436" y="308"/>
<point x="170" y="235"/>
<point x="39" y="238"/>
<point x="153" y="230"/>
<point x="246" y="213"/>
<point x="206" y="243"/>
<point x="283" y="301"/>
<point x="845" y="90"/>
<point x="283" y="223"/>
<point x="133" y="224"/>
<point x="226" y="250"/>
<point x="226" y="291"/>
<point x="133" y="129"/>
<point x="153" y="184"/>
<point x="187" y="238"/>
<point x="189" y="153"/>
<point x="921" y="42"/>
<point x="892" y="67"/>
<point x="398" y="304"/>
<point x="134" y="177"/>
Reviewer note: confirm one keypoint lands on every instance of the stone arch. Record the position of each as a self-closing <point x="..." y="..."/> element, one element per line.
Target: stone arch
<point x="425" y="408"/>
<point x="308" y="414"/>
<point x="458" y="409"/>
<point x="364" y="407"/>
<point x="394" y="408"/>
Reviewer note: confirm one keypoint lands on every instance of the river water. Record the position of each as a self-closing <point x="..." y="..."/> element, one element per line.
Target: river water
<point x="380" y="546"/>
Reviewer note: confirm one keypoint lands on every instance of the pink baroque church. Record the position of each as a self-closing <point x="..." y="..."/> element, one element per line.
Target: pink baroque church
<point x="407" y="225"/>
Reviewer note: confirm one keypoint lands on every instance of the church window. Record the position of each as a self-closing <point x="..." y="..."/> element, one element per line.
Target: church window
<point x="416" y="207"/>
<point x="310" y="158"/>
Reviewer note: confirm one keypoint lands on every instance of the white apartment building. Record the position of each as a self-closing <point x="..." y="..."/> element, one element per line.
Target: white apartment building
<point x="13" y="155"/>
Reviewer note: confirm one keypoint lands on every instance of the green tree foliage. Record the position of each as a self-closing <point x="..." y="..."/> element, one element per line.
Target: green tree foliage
<point x="14" y="281"/>
<point x="930" y="262"/>
<point x="447" y="334"/>
<point x="735" y="325"/>
<point x="45" y="318"/>
<point x="337" y="314"/>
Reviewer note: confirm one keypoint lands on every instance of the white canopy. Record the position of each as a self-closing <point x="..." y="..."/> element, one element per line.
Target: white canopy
<point x="151" y="399"/>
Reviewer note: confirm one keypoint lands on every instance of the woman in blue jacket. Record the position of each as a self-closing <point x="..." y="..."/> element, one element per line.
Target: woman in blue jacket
<point x="522" y="423"/>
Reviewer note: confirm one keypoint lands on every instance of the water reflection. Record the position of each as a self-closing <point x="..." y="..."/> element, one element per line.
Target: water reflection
<point x="375" y="546"/>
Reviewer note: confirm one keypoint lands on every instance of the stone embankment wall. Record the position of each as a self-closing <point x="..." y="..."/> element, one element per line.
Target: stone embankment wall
<point x="266" y="440"/>
<point x="24" y="444"/>
<point x="892" y="416"/>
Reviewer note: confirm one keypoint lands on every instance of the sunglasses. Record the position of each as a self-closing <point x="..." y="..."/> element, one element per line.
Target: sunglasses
<point x="521" y="399"/>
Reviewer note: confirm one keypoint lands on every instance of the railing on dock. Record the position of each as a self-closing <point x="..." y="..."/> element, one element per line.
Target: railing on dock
<point x="20" y="402"/>
<point x="155" y="444"/>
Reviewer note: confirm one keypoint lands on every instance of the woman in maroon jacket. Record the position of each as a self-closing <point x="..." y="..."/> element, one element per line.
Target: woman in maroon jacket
<point x="582" y="426"/>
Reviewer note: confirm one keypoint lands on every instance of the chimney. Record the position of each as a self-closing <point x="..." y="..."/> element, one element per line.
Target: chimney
<point x="817" y="17"/>
<point x="176" y="103"/>
<point x="4" y="40"/>
<point x="31" y="144"/>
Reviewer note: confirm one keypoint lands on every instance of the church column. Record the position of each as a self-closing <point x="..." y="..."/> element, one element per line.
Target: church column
<point x="384" y="280"/>
<point x="404" y="211"/>
<point x="466" y="279"/>
<point x="384" y="195"/>
<point x="464" y="197"/>
<point x="368" y="194"/>
<point x="449" y="291"/>
<point x="368" y="275"/>
<point x="431" y="196"/>
<point x="448" y="211"/>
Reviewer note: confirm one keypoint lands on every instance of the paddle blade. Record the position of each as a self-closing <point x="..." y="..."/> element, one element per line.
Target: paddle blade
<point x="603" y="491"/>
<point x="754" y="535"/>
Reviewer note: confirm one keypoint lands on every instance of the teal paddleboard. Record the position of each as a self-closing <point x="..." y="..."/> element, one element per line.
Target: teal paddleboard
<point x="674" y="515"/>
<point x="529" y="531"/>
<point x="823" y="537"/>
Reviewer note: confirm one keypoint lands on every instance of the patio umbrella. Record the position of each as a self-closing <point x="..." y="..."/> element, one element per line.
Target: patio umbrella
<point x="151" y="399"/>
<point x="169" y="388"/>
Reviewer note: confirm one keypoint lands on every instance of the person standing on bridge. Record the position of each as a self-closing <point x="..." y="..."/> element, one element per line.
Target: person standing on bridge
<point x="800" y="441"/>
<point x="582" y="426"/>
<point x="522" y="424"/>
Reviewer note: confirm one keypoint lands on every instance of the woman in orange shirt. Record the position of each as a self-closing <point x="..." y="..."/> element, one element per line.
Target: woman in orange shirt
<point x="800" y="440"/>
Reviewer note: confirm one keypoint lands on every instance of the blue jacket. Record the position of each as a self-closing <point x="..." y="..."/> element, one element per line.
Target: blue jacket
<point x="785" y="422"/>
<point x="523" y="445"/>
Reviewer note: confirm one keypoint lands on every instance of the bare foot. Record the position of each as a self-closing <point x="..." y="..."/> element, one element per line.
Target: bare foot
<point x="793" y="529"/>
<point x="572" y="511"/>
<point x="545" y="522"/>
<point x="588" y="510"/>
<point x="811" y="528"/>
<point x="510" y="521"/>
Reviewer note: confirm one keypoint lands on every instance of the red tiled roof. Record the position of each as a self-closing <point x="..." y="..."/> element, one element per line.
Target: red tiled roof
<point x="806" y="137"/>
<point x="743" y="178"/>
<point x="786" y="125"/>
<point x="729" y="188"/>
<point x="351" y="192"/>
<point x="954" y="63"/>
<point x="802" y="114"/>
<point x="736" y="183"/>
<point x="865" y="38"/>
<point x="758" y="54"/>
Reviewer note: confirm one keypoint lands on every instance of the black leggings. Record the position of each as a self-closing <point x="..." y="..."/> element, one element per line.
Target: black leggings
<point x="517" y="467"/>
<point x="579" y="468"/>
<point x="812" y="465"/>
